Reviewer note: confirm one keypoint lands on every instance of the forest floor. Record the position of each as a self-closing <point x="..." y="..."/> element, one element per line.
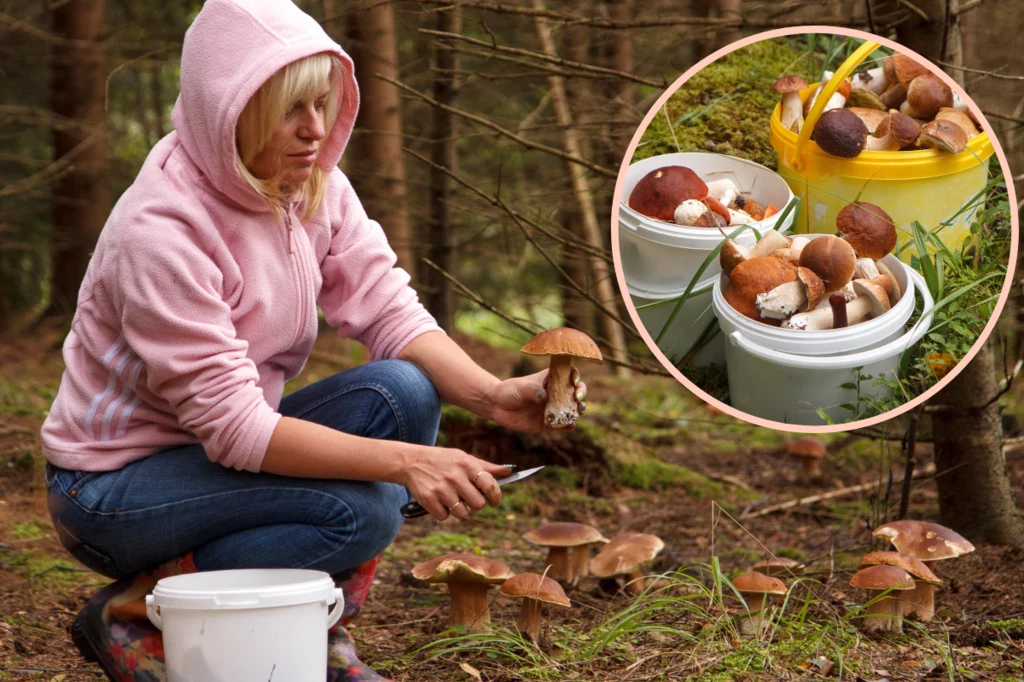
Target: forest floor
<point x="648" y="457"/>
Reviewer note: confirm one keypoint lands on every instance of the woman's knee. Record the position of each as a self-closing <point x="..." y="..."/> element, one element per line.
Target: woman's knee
<point x="413" y="398"/>
<point x="378" y="518"/>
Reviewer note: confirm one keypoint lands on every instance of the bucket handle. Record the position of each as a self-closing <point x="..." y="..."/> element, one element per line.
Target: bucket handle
<point x="827" y="90"/>
<point x="894" y="347"/>
<point x="339" y="605"/>
<point x="153" y="612"/>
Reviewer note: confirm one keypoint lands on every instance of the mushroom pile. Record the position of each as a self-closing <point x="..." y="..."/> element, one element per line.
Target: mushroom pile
<point x="816" y="284"/>
<point x="900" y="105"/>
<point x="675" y="194"/>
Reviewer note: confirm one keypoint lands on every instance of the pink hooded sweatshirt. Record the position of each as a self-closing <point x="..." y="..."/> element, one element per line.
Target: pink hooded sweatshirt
<point x="197" y="305"/>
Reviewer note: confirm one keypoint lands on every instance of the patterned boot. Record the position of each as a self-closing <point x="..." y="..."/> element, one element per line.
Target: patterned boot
<point x="343" y="665"/>
<point x="114" y="631"/>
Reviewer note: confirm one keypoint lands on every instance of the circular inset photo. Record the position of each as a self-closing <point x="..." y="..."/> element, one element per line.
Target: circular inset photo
<point x="814" y="230"/>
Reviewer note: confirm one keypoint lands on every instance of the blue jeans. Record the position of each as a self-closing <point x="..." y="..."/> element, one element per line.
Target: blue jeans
<point x="176" y="501"/>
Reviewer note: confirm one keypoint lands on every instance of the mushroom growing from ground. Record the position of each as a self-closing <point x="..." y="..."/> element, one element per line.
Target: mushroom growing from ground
<point x="792" y="297"/>
<point x="659" y="192"/>
<point x="926" y="94"/>
<point x="927" y="542"/>
<point x="868" y="229"/>
<point x="468" y="576"/>
<point x="756" y="588"/>
<point x="756" y="276"/>
<point x="791" y="109"/>
<point x="885" y="614"/>
<point x="568" y="546"/>
<point x="841" y="133"/>
<point x="778" y="565"/>
<point x="922" y="576"/>
<point x="535" y="591"/>
<point x="562" y="345"/>
<point x="943" y="135"/>
<point x="811" y="450"/>
<point x="832" y="259"/>
<point x="626" y="555"/>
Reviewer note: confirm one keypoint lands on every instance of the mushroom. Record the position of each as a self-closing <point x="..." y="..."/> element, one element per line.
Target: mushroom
<point x="719" y="208"/>
<point x="927" y="542"/>
<point x="884" y="614"/>
<point x="837" y="302"/>
<point x="756" y="588"/>
<point x="694" y="213"/>
<point x="871" y="300"/>
<point x="960" y="118"/>
<point x="943" y="135"/>
<point x="893" y="290"/>
<point x="756" y="276"/>
<point x="868" y="229"/>
<point x="905" y="69"/>
<point x="534" y="590"/>
<point x="873" y="80"/>
<point x="792" y="297"/>
<point x="748" y="206"/>
<point x="562" y="345"/>
<point x="865" y="269"/>
<point x="836" y="101"/>
<point x="799" y="243"/>
<point x="659" y="192"/>
<point x="894" y="97"/>
<point x="732" y="254"/>
<point x="811" y="451"/>
<point x="926" y="94"/>
<point x="626" y="555"/>
<point x="779" y="565"/>
<point x="468" y="577"/>
<point x="871" y="118"/>
<point x="567" y="545"/>
<point x="739" y="217"/>
<point x="865" y="99"/>
<point x="841" y="133"/>
<point x="790" y="255"/>
<point x="922" y="576"/>
<point x="723" y="189"/>
<point x="895" y="132"/>
<point x="791" y="114"/>
<point x="832" y="259"/>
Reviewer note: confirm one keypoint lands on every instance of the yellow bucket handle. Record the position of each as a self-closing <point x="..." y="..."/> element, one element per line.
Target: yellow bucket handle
<point x="827" y="90"/>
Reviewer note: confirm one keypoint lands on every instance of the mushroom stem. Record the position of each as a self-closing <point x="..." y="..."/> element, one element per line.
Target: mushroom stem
<point x="822" y="318"/>
<point x="885" y="614"/>
<point x="560" y="562"/>
<point x="561" y="409"/>
<point x="837" y="301"/>
<point x="920" y="601"/>
<point x="529" y="619"/>
<point x="635" y="583"/>
<point x="792" y="112"/>
<point x="751" y="622"/>
<point x="812" y="465"/>
<point x="469" y="605"/>
<point x="579" y="559"/>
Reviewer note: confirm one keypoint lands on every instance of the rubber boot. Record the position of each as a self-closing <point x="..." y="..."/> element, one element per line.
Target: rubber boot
<point x="343" y="665"/>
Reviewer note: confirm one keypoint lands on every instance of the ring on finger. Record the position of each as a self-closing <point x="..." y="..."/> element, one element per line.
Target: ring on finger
<point x="452" y="508"/>
<point x="477" y="477"/>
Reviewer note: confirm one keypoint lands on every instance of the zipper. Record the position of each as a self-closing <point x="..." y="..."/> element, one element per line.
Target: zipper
<point x="300" y="279"/>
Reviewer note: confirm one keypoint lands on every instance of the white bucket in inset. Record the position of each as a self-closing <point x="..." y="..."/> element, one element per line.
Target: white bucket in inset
<point x="251" y="624"/>
<point x="687" y="327"/>
<point x="788" y="375"/>
<point x="659" y="259"/>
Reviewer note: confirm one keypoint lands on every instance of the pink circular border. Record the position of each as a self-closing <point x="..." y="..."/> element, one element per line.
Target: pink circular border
<point x="617" y="257"/>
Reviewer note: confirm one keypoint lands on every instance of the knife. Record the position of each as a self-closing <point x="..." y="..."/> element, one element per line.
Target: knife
<point x="414" y="509"/>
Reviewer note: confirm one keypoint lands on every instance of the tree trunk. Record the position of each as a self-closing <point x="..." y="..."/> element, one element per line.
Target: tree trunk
<point x="974" y="492"/>
<point x="377" y="170"/>
<point x="156" y="88"/>
<point x="440" y="299"/>
<point x="81" y="197"/>
<point x="729" y="9"/>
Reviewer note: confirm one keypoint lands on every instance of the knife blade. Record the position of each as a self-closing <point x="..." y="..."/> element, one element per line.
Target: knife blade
<point x="414" y="509"/>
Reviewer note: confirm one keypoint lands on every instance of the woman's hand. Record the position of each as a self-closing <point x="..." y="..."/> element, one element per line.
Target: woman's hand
<point x="519" y="403"/>
<point x="449" y="482"/>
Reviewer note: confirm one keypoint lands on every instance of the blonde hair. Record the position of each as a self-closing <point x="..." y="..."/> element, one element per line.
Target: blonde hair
<point x="301" y="80"/>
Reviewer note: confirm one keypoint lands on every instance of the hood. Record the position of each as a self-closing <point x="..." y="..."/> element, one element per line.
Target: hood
<point x="230" y="50"/>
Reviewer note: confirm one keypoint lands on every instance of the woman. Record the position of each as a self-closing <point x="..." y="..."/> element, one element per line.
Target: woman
<point x="170" y="447"/>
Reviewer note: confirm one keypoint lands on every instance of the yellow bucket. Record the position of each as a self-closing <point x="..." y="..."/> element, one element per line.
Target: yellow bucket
<point x="928" y="186"/>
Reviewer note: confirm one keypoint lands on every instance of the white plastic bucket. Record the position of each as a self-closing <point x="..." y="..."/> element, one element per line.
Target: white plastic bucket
<point x="787" y="375"/>
<point x="253" y="624"/>
<point x="659" y="259"/>
<point x="687" y="327"/>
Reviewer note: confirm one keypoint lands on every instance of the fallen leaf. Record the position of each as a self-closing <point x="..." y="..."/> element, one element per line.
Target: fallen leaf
<point x="471" y="671"/>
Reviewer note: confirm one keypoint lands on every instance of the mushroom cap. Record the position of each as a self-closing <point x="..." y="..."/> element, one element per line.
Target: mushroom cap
<point x="871" y="118"/>
<point x="660" y="191"/>
<point x="814" y="288"/>
<point x="791" y="83"/>
<point x="462" y="568"/>
<point x="876" y="294"/>
<point x="869" y="230"/>
<point x="777" y="565"/>
<point x="536" y="587"/>
<point x="808" y="446"/>
<point x="563" y="534"/>
<point x="944" y="135"/>
<point x="926" y="94"/>
<point x="563" y="341"/>
<point x="758" y="583"/>
<point x="914" y="567"/>
<point x="906" y="69"/>
<point x="924" y="540"/>
<point x="904" y="129"/>
<point x="864" y="99"/>
<point x="756" y="276"/>
<point x="832" y="259"/>
<point x="882" y="577"/>
<point x="896" y="294"/>
<point x="625" y="553"/>
<point x="959" y="118"/>
<point x="840" y="132"/>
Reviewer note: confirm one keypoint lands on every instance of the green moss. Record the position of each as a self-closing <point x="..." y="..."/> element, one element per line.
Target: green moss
<point x="28" y="531"/>
<point x="653" y="474"/>
<point x="1012" y="625"/>
<point x="450" y="542"/>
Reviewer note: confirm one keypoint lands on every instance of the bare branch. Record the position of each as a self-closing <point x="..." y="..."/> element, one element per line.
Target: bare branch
<point x="992" y="74"/>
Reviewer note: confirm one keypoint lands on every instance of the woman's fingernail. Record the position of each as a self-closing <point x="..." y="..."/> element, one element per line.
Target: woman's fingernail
<point x="579" y="395"/>
<point x="540" y="394"/>
<point x="576" y="380"/>
<point x="583" y="407"/>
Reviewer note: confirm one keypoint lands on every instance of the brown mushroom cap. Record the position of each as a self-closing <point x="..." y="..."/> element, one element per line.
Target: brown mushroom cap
<point x="563" y="341"/>
<point x="778" y="565"/>
<point x="871" y="118"/>
<point x="814" y="288"/>
<point x="903" y="128"/>
<point x="467" y="568"/>
<point x="625" y="553"/>
<point x="660" y="191"/>
<point x="840" y="132"/>
<point x="944" y="135"/>
<point x="875" y="293"/>
<point x="808" y="446"/>
<point x="756" y="276"/>
<point x="926" y="94"/>
<point x="906" y="69"/>
<point x="869" y="230"/>
<point x="758" y="583"/>
<point x="882" y="577"/>
<point x="832" y="259"/>
<point x="864" y="99"/>
<point x="959" y="118"/>
<point x="914" y="567"/>
<point x="563" y="534"/>
<point x="790" y="83"/>
<point x="536" y="587"/>
<point x="924" y="540"/>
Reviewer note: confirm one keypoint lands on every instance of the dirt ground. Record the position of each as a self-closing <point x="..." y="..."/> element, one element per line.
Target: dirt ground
<point x="714" y="471"/>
